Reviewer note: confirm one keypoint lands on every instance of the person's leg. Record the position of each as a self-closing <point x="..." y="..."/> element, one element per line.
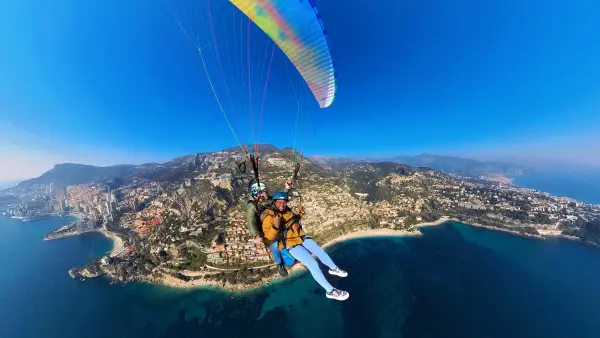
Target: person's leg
<point x="301" y="254"/>
<point x="314" y="248"/>
<point x="275" y="253"/>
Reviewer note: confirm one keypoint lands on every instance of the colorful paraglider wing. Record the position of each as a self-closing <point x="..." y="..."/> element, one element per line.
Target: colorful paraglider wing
<point x="297" y="28"/>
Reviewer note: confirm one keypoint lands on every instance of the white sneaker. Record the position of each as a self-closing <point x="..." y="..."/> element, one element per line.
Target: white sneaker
<point x="338" y="272"/>
<point x="337" y="294"/>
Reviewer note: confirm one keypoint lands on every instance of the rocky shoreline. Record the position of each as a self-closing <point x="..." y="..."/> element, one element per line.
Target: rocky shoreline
<point x="225" y="278"/>
<point x="264" y="275"/>
<point x="197" y="279"/>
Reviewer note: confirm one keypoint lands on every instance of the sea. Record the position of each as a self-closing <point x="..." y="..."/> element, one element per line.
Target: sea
<point x="580" y="185"/>
<point x="453" y="281"/>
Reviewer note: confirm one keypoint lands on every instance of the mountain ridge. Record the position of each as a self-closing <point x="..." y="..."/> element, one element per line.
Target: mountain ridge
<point x="447" y="164"/>
<point x="73" y="173"/>
<point x="182" y="219"/>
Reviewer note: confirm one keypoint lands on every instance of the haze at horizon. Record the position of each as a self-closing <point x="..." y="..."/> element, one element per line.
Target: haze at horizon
<point x="117" y="82"/>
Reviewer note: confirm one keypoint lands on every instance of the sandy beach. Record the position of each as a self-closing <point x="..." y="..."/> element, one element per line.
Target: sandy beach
<point x="118" y="244"/>
<point x="170" y="281"/>
<point x="370" y="233"/>
<point x="384" y="232"/>
<point x="547" y="232"/>
<point x="76" y="215"/>
<point x="297" y="269"/>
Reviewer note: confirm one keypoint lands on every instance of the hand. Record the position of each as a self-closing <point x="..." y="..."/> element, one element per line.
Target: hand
<point x="288" y="184"/>
<point x="258" y="240"/>
<point x="300" y="208"/>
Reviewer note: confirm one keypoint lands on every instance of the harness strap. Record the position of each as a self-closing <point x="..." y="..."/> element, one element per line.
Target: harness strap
<point x="254" y="162"/>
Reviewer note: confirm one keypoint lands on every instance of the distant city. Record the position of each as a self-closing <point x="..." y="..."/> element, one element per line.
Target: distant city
<point x="184" y="220"/>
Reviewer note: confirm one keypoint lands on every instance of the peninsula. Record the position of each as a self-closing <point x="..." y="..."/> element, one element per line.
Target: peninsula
<point x="182" y="223"/>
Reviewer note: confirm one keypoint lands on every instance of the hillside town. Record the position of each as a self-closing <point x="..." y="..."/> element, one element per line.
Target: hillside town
<point x="190" y="227"/>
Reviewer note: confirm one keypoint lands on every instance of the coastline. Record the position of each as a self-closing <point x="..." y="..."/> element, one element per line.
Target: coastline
<point x="382" y="232"/>
<point x="118" y="243"/>
<point x="543" y="234"/>
<point x="168" y="278"/>
<point x="295" y="271"/>
<point x="513" y="232"/>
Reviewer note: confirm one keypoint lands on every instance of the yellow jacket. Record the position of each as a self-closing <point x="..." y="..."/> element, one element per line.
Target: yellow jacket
<point x="294" y="234"/>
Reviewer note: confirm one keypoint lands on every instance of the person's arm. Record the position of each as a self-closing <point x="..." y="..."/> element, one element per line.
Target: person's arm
<point x="251" y="220"/>
<point x="301" y="210"/>
<point x="270" y="226"/>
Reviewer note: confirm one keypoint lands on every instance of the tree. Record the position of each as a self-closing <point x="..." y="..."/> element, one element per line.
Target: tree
<point x="373" y="220"/>
<point x="220" y="239"/>
<point x="197" y="259"/>
<point x="410" y="219"/>
<point x="231" y="278"/>
<point x="542" y="219"/>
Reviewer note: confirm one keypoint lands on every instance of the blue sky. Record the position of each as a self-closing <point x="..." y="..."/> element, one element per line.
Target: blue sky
<point x="117" y="82"/>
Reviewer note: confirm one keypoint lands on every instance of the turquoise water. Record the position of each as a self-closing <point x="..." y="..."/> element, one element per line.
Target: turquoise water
<point x="455" y="281"/>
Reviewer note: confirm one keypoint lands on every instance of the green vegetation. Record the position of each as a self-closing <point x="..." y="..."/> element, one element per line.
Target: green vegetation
<point x="518" y="215"/>
<point x="339" y="230"/>
<point x="410" y="220"/>
<point x="373" y="220"/>
<point x="197" y="259"/>
<point x="541" y="219"/>
<point x="588" y="232"/>
<point x="243" y="276"/>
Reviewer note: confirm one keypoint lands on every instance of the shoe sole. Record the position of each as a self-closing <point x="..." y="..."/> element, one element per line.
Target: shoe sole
<point x="340" y="299"/>
<point x="336" y="274"/>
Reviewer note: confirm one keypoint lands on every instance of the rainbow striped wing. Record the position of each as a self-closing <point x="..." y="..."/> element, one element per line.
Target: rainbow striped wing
<point x="297" y="28"/>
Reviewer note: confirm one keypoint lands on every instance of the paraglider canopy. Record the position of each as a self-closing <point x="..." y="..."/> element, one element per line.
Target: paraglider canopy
<point x="297" y="29"/>
<point x="238" y="78"/>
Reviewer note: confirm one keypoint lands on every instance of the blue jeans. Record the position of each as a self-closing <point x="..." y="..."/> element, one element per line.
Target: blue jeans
<point x="303" y="252"/>
<point x="275" y="253"/>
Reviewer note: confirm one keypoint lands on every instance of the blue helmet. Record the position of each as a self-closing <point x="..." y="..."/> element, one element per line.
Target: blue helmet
<point x="281" y="195"/>
<point x="254" y="189"/>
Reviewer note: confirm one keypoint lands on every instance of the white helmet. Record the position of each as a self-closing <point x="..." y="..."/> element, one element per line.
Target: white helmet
<point x="254" y="188"/>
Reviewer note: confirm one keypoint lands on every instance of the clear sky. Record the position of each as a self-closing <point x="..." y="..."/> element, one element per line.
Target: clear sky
<point x="106" y="82"/>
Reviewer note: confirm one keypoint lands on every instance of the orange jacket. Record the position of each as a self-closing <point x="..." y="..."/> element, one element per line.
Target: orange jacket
<point x="293" y="233"/>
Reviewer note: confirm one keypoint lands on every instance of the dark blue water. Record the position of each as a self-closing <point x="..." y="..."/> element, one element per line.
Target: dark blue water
<point x="455" y="281"/>
<point x="582" y="186"/>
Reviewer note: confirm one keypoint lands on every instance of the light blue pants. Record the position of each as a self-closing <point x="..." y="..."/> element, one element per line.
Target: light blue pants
<point x="303" y="254"/>
<point x="275" y="253"/>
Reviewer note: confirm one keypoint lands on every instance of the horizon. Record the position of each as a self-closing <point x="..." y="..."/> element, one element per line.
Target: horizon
<point x="540" y="165"/>
<point x="511" y="85"/>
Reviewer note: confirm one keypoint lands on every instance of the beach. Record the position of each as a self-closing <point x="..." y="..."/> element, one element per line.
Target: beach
<point x="118" y="244"/>
<point x="296" y="270"/>
<point x="76" y="215"/>
<point x="384" y="232"/>
<point x="432" y="283"/>
<point x="167" y="278"/>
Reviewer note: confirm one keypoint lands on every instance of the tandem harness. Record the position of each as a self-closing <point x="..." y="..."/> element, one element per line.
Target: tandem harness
<point x="287" y="258"/>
